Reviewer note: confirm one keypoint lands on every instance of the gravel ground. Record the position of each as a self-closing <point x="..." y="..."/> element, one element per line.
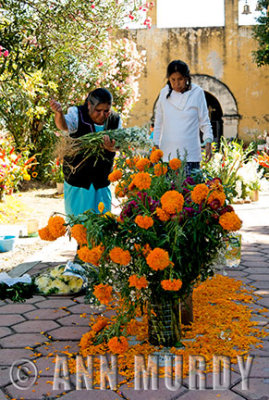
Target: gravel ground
<point x="42" y="203"/>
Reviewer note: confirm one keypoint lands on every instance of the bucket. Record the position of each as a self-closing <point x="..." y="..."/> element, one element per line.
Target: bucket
<point x="7" y="243"/>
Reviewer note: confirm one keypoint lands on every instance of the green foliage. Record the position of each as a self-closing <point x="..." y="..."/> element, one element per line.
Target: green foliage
<point x="261" y="34"/>
<point x="226" y="163"/>
<point x="18" y="292"/>
<point x="62" y="49"/>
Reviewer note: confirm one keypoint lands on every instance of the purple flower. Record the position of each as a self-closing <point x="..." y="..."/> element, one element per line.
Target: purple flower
<point x="188" y="181"/>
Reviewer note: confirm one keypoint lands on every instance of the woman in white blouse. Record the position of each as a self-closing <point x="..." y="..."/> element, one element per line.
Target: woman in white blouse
<point x="181" y="112"/>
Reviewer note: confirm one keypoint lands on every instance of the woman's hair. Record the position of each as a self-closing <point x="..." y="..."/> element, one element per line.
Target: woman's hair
<point x="183" y="69"/>
<point x="99" y="96"/>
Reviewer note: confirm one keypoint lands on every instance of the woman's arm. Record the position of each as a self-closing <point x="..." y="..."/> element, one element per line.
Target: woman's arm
<point x="58" y="115"/>
<point x="158" y="123"/>
<point x="205" y="125"/>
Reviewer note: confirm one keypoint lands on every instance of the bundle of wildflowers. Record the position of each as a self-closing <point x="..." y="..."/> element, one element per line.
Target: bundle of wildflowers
<point x="126" y="141"/>
<point x="166" y="238"/>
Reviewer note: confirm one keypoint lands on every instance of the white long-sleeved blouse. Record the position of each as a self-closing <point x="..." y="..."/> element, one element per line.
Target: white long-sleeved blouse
<point x="178" y="121"/>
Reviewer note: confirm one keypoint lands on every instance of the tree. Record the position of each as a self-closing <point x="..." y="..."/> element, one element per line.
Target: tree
<point x="63" y="49"/>
<point x="261" y="34"/>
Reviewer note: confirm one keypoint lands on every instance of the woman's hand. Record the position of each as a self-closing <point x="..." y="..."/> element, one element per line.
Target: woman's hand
<point x="55" y="106"/>
<point x="208" y="152"/>
<point x="109" y="144"/>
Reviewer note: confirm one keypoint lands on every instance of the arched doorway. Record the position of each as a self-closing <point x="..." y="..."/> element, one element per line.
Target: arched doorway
<point x="215" y="115"/>
<point x="226" y="100"/>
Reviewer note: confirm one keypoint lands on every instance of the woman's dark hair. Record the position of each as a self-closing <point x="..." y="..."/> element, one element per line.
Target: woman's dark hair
<point x="183" y="69"/>
<point x="99" y="96"/>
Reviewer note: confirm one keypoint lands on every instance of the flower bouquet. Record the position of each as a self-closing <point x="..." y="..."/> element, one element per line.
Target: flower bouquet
<point x="166" y="239"/>
<point x="56" y="281"/>
<point x="126" y="140"/>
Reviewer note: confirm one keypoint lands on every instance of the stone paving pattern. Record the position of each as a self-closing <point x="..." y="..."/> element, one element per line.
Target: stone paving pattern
<point x="43" y="326"/>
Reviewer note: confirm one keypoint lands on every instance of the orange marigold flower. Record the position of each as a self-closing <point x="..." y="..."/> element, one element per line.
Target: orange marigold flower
<point x="79" y="233"/>
<point x="199" y="193"/>
<point x="175" y="163"/>
<point x="137" y="247"/>
<point x="131" y="186"/>
<point x="155" y="156"/>
<point x="100" y="324"/>
<point x="162" y="215"/>
<point x="118" y="345"/>
<point x="86" y="340"/>
<point x="103" y="293"/>
<point x="91" y="256"/>
<point x="215" y="184"/>
<point x="132" y="161"/>
<point x="174" y="284"/>
<point x="45" y="234"/>
<point x="115" y="175"/>
<point x="142" y="164"/>
<point x="56" y="226"/>
<point x="146" y="250"/>
<point x="119" y="190"/>
<point x="217" y="195"/>
<point x="160" y="169"/>
<point x="144" y="222"/>
<point x="230" y="221"/>
<point x="120" y="256"/>
<point x="138" y="283"/>
<point x="158" y="259"/>
<point x="172" y="201"/>
<point x="142" y="180"/>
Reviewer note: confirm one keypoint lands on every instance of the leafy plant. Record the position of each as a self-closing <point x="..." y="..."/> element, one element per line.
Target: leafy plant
<point x="226" y="163"/>
<point x="18" y="292"/>
<point x="63" y="49"/>
<point x="261" y="34"/>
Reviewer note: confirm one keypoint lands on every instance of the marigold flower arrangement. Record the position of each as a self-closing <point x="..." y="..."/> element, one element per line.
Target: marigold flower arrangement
<point x="167" y="237"/>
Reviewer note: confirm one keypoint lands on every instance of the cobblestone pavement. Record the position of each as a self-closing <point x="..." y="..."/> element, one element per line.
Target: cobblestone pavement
<point x="32" y="332"/>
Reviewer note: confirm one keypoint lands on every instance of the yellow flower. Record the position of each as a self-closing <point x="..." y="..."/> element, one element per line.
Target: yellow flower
<point x="26" y="177"/>
<point x="101" y="207"/>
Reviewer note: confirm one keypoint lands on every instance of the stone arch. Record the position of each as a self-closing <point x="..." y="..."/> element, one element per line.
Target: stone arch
<point x="226" y="99"/>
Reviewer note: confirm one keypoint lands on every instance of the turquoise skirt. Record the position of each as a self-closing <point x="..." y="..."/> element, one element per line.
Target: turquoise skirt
<point x="77" y="200"/>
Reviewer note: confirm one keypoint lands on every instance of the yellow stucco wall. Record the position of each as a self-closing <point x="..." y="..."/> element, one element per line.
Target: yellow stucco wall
<point x="223" y="53"/>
